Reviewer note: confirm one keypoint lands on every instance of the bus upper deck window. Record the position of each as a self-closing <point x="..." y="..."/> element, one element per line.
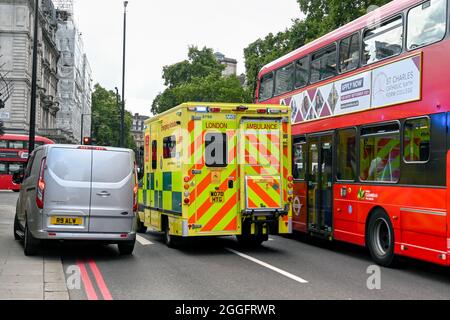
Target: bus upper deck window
<point x="383" y="41"/>
<point x="266" y="87"/>
<point x="426" y="23"/>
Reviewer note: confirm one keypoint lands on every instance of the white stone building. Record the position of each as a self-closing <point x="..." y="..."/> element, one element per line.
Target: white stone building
<point x="75" y="80"/>
<point x="16" y="47"/>
<point x="64" y="75"/>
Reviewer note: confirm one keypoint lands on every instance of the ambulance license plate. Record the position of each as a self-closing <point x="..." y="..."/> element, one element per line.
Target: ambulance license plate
<point x="66" y="221"/>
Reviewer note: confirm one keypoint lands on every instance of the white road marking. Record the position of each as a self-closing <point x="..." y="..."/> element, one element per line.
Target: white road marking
<point x="268" y="266"/>
<point x="271" y="239"/>
<point x="143" y="241"/>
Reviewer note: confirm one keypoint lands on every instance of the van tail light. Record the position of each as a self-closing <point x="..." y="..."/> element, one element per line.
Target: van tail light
<point x="135" y="189"/>
<point x="40" y="191"/>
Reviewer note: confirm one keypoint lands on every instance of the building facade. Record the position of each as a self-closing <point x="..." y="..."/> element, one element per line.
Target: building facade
<point x="75" y="80"/>
<point x="229" y="63"/>
<point x="137" y="130"/>
<point x="16" y="47"/>
<point x="64" y="84"/>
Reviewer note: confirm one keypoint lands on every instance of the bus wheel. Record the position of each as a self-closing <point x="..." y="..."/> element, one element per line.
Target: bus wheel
<point x="141" y="228"/>
<point x="380" y="238"/>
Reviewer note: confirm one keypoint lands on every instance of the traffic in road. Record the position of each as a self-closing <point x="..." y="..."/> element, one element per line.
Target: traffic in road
<point x="288" y="267"/>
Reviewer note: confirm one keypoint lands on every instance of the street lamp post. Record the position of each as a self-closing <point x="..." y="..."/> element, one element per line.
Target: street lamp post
<point x="122" y="111"/>
<point x="32" y="136"/>
<point x="82" y="125"/>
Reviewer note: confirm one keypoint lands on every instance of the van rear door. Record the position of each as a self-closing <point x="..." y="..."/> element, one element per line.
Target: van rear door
<point x="112" y="191"/>
<point x="67" y="189"/>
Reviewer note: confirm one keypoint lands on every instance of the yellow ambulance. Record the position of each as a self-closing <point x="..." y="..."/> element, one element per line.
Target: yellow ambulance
<point x="217" y="169"/>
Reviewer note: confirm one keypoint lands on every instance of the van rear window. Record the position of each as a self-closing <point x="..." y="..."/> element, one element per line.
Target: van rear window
<point x="111" y="167"/>
<point x="70" y="164"/>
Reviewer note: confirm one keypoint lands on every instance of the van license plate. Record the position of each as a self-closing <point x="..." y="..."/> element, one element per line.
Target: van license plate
<point x="67" y="221"/>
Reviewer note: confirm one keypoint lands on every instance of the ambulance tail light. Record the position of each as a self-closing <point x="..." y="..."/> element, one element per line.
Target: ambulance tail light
<point x="215" y="110"/>
<point x="187" y="179"/>
<point x="261" y="111"/>
<point x="187" y="201"/>
<point x="40" y="191"/>
<point x="290" y="178"/>
<point x="284" y="111"/>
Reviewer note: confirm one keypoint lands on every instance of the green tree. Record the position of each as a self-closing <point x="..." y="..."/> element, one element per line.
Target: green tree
<point x="200" y="64"/>
<point x="322" y="16"/>
<point x="198" y="79"/>
<point x="212" y="88"/>
<point x="106" y="119"/>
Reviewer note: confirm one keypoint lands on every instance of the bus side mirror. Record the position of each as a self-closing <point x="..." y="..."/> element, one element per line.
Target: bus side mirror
<point x="17" y="177"/>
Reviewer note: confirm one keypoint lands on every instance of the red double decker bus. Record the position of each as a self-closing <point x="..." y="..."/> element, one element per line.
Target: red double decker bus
<point x="371" y="139"/>
<point x="14" y="156"/>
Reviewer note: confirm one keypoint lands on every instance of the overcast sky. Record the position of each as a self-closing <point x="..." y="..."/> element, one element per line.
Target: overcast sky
<point x="160" y="31"/>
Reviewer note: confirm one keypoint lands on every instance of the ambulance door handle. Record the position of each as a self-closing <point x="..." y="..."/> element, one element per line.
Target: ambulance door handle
<point x="230" y="184"/>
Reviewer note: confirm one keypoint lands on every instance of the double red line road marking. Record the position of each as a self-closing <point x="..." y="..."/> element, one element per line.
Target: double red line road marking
<point x="98" y="279"/>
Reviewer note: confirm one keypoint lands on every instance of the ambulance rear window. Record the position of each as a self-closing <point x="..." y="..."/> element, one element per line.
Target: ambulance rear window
<point x="169" y="147"/>
<point x="216" y="149"/>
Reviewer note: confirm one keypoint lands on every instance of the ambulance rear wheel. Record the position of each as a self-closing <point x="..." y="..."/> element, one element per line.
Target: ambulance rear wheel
<point x="249" y="240"/>
<point x="141" y="228"/>
<point x="170" y="240"/>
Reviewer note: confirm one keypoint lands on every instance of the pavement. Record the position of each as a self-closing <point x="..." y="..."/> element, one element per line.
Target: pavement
<point x="26" y="278"/>
<point x="284" y="268"/>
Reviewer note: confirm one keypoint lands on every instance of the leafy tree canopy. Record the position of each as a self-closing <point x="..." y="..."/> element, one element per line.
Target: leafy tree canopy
<point x="200" y="64"/>
<point x="106" y="119"/>
<point x="198" y="79"/>
<point x="322" y="17"/>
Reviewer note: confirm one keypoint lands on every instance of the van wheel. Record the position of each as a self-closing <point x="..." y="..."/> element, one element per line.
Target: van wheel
<point x="17" y="228"/>
<point x="126" y="248"/>
<point x="30" y="244"/>
<point x="141" y="228"/>
<point x="380" y="239"/>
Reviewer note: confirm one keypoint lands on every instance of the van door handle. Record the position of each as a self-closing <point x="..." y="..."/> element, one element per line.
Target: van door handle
<point x="104" y="194"/>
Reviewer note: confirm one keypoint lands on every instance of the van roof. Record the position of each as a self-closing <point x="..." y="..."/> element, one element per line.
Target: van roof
<point x="228" y="106"/>
<point x="72" y="146"/>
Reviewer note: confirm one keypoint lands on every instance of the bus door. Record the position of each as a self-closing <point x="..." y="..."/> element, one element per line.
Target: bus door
<point x="320" y="184"/>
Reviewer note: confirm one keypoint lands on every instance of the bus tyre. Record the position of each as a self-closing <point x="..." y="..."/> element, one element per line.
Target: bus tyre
<point x="17" y="228"/>
<point x="380" y="238"/>
<point x="126" y="248"/>
<point x="141" y="228"/>
<point x="30" y="244"/>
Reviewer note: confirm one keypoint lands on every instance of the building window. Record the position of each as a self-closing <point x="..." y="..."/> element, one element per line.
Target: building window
<point x="323" y="64"/>
<point x="346" y="155"/>
<point x="384" y="41"/>
<point x="349" y="53"/>
<point x="169" y="147"/>
<point x="266" y="87"/>
<point x="380" y="153"/>
<point x="416" y="140"/>
<point x="426" y="23"/>
<point x="216" y="149"/>
<point x="284" y="79"/>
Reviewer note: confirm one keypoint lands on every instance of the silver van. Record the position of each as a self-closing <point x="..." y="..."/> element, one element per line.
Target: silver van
<point x="77" y="193"/>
